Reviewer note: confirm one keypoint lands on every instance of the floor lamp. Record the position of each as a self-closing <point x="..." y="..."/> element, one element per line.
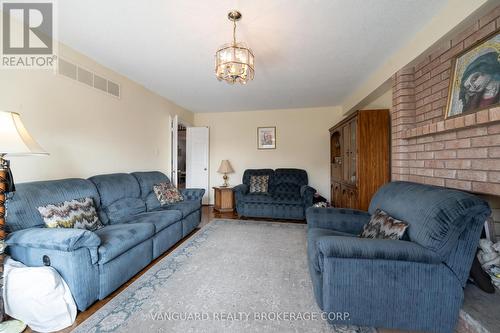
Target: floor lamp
<point x="14" y="140"/>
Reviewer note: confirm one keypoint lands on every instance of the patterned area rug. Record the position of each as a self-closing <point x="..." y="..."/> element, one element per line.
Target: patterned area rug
<point x="232" y="276"/>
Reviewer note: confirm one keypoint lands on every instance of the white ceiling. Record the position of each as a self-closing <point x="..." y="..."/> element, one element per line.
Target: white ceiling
<point x="309" y="53"/>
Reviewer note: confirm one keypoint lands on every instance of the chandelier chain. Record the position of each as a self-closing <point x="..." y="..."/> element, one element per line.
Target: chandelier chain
<point x="234" y="32"/>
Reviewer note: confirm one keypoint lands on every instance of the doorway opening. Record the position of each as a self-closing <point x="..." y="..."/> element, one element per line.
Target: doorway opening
<point x="181" y="156"/>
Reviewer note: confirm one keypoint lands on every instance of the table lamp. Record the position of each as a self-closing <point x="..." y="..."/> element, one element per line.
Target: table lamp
<point x="14" y="141"/>
<point x="225" y="168"/>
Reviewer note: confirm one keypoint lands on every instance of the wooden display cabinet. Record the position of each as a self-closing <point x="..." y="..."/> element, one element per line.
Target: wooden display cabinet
<point x="359" y="157"/>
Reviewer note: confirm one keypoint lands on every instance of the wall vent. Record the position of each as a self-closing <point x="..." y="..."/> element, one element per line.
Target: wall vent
<point x="88" y="78"/>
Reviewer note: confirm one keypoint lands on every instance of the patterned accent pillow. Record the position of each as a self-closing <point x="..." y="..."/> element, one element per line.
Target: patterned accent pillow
<point x="382" y="225"/>
<point x="167" y="193"/>
<point x="259" y="184"/>
<point x="76" y="213"/>
<point x="321" y="204"/>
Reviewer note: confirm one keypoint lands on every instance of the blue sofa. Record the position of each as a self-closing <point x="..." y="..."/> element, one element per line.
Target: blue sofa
<point x="94" y="264"/>
<point x="287" y="198"/>
<point x="413" y="284"/>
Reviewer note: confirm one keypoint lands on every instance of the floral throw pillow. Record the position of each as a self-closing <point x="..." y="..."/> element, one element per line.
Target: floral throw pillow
<point x="259" y="184"/>
<point x="76" y="213"/>
<point x="167" y="193"/>
<point x="384" y="226"/>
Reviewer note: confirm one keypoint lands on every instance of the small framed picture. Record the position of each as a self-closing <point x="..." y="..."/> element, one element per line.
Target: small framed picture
<point x="475" y="78"/>
<point x="266" y="137"/>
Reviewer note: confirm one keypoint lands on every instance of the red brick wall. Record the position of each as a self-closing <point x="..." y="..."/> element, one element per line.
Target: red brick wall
<point x="461" y="152"/>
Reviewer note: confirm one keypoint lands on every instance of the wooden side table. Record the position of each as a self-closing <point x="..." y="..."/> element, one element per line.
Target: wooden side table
<point x="224" y="199"/>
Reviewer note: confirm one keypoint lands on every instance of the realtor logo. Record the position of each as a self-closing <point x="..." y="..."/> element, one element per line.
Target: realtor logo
<point x="28" y="34"/>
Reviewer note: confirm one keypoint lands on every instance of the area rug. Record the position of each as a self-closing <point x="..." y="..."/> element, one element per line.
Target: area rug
<point x="231" y="276"/>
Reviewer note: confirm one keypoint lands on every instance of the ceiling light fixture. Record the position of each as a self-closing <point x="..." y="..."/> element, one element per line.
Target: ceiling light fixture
<point x="234" y="62"/>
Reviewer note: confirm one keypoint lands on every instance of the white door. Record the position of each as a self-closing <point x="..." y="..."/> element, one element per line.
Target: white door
<point x="197" y="159"/>
<point x="174" y="126"/>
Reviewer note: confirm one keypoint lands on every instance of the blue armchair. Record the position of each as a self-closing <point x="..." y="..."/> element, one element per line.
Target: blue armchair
<point x="414" y="284"/>
<point x="287" y="198"/>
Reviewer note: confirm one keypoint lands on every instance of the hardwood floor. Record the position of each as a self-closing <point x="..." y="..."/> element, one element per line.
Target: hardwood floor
<point x="208" y="214"/>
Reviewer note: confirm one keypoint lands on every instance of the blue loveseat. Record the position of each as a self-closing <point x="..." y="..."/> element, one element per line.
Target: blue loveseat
<point x="288" y="195"/>
<point x="414" y="284"/>
<point x="94" y="264"/>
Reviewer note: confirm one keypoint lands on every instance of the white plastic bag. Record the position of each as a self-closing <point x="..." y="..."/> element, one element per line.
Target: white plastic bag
<point x="38" y="296"/>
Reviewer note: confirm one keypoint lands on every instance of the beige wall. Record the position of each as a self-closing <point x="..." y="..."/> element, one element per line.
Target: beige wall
<point x="384" y="101"/>
<point x="302" y="142"/>
<point x="86" y="131"/>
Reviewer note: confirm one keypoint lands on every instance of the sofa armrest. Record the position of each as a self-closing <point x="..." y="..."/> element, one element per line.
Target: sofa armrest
<point x="72" y="252"/>
<point x="240" y="190"/>
<point x="344" y="220"/>
<point x="61" y="239"/>
<point x="307" y="193"/>
<point x="383" y="249"/>
<point x="192" y="193"/>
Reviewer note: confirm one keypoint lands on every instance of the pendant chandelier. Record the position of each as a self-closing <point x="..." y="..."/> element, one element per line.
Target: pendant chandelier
<point x="234" y="62"/>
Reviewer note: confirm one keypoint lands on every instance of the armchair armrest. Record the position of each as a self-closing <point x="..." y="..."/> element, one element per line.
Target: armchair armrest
<point x="307" y="194"/>
<point x="61" y="239"/>
<point x="192" y="193"/>
<point x="367" y="248"/>
<point x="344" y="220"/>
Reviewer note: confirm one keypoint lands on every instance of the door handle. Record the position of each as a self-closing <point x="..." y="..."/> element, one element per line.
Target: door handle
<point x="204" y="169"/>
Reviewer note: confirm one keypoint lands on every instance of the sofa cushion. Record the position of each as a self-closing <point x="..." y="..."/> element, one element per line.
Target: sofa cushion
<point x="113" y="187"/>
<point x="118" y="238"/>
<point x="186" y="207"/>
<point x="259" y="172"/>
<point x="159" y="219"/>
<point x="146" y="182"/>
<point x="22" y="204"/>
<point x="120" y="195"/>
<point x="436" y="216"/>
<point x="77" y="213"/>
<point x="122" y="208"/>
<point x="257" y="198"/>
<point x="287" y="199"/>
<point x="289" y="181"/>
<point x="278" y="199"/>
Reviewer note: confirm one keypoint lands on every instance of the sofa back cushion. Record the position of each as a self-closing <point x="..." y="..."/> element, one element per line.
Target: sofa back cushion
<point x="247" y="175"/>
<point x="146" y="182"/>
<point x="289" y="181"/>
<point x="437" y="216"/>
<point x="120" y="196"/>
<point x="22" y="205"/>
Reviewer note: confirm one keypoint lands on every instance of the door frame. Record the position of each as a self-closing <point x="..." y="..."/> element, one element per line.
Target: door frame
<point x="174" y="122"/>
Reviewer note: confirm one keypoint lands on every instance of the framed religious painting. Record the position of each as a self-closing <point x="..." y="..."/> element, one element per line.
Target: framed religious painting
<point x="475" y="78"/>
<point x="266" y="137"/>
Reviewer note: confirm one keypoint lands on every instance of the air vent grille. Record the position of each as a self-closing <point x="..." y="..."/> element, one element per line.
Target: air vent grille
<point x="88" y="78"/>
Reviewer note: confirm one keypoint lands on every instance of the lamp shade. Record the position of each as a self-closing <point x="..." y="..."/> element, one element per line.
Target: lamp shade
<point x="14" y="138"/>
<point x="225" y="167"/>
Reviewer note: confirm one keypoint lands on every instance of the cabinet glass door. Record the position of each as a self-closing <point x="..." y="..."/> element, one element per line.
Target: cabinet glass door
<point x="336" y="155"/>
<point x="346" y="152"/>
<point x="353" y="152"/>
